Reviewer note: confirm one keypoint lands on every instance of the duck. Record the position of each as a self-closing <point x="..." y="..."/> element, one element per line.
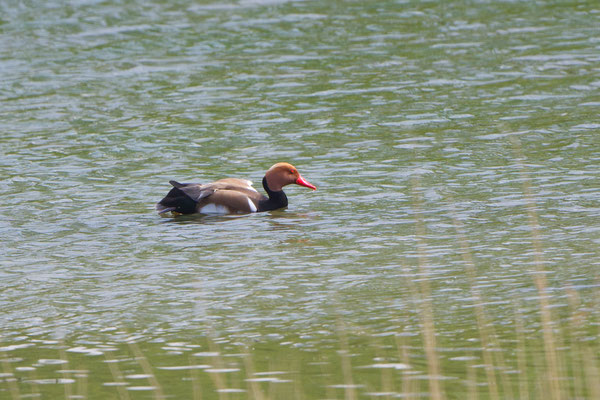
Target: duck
<point x="232" y="195"/>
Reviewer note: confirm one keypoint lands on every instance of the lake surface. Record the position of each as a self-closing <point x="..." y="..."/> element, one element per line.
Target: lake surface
<point x="451" y="250"/>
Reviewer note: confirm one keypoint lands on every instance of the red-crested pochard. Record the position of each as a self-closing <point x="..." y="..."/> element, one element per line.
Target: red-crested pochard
<point x="232" y="195"/>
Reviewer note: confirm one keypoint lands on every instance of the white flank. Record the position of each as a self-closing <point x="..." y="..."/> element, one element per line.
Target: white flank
<point x="251" y="204"/>
<point x="214" y="209"/>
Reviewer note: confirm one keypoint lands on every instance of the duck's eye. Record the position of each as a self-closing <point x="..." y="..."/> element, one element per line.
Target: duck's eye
<point x="293" y="171"/>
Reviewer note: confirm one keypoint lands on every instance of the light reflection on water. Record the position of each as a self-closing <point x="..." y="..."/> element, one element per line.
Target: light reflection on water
<point x="407" y="117"/>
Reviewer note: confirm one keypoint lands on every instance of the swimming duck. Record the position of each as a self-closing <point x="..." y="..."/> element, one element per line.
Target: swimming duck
<point x="232" y="195"/>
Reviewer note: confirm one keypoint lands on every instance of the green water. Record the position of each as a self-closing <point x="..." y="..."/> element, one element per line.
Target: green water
<point x="455" y="147"/>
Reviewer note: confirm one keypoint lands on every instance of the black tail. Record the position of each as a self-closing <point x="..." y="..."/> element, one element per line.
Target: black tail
<point x="176" y="201"/>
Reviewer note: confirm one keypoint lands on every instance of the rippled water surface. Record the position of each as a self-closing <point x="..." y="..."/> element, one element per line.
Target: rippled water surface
<point x="451" y="249"/>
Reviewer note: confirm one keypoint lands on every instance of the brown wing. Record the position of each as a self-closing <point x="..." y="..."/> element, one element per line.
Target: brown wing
<point x="230" y="201"/>
<point x="234" y="184"/>
<point x="229" y="195"/>
<point x="197" y="191"/>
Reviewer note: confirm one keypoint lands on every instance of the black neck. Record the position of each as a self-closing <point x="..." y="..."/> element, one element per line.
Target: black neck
<point x="276" y="199"/>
